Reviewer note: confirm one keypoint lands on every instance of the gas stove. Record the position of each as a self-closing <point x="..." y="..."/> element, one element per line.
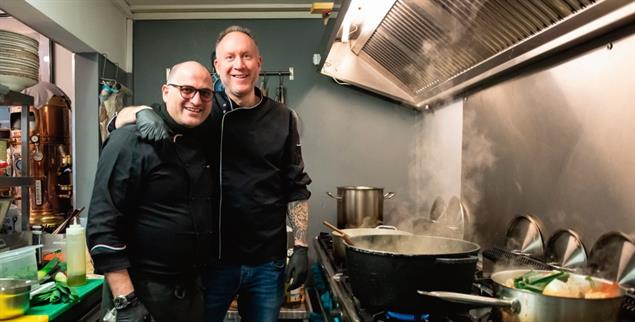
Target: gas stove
<point x="347" y="308"/>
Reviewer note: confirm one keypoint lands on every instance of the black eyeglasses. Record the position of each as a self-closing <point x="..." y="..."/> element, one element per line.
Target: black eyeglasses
<point x="188" y="92"/>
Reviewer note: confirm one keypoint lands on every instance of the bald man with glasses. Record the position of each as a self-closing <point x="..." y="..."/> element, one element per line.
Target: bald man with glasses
<point x="150" y="225"/>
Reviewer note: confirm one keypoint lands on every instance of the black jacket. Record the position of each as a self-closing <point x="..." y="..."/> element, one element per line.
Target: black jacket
<point x="261" y="170"/>
<point x="152" y="208"/>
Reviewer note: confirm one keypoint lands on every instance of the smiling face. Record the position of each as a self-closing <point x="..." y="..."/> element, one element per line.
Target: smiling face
<point x="238" y="64"/>
<point x="189" y="112"/>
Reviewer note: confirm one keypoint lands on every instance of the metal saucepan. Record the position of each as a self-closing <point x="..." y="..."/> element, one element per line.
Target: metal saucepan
<point x="386" y="271"/>
<point x="518" y="305"/>
<point x="339" y="249"/>
<point x="360" y="206"/>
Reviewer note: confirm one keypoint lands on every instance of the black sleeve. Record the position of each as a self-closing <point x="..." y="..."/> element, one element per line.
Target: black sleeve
<point x="297" y="179"/>
<point x="111" y="123"/>
<point x="116" y="184"/>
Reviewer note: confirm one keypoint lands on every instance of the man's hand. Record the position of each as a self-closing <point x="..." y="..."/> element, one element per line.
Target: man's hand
<point x="151" y="126"/>
<point x="298" y="267"/>
<point x="136" y="312"/>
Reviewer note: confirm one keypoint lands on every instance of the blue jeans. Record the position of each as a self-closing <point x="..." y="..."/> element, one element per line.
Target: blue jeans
<point x="260" y="291"/>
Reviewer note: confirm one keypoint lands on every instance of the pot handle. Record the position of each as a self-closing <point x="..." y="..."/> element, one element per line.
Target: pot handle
<point x="332" y="196"/>
<point x="460" y="260"/>
<point x="389" y="195"/>
<point x="386" y="227"/>
<point x="461" y="298"/>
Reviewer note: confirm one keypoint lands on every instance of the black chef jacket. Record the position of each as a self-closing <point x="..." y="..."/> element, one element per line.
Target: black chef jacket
<point x="151" y="209"/>
<point x="262" y="170"/>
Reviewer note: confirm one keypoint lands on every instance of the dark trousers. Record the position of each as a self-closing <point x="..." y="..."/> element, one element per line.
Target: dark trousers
<point x="168" y="300"/>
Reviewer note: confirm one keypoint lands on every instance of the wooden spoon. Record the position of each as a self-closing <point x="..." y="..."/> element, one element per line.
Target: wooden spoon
<point x="344" y="235"/>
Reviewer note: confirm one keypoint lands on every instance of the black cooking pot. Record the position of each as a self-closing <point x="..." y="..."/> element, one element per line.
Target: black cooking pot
<point x="386" y="271"/>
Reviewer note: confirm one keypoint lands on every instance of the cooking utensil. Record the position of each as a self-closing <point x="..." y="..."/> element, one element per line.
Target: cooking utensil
<point x="386" y="271"/>
<point x="14" y="297"/>
<point x="566" y="250"/>
<point x="339" y="250"/>
<point x="524" y="235"/>
<point x="520" y="305"/>
<point x="360" y="206"/>
<point x="342" y="233"/>
<point x="613" y="257"/>
<point x="444" y="221"/>
<point x="437" y="209"/>
<point x="63" y="225"/>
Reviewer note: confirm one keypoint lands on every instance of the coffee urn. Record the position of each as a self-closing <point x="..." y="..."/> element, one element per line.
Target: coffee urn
<point x="49" y="160"/>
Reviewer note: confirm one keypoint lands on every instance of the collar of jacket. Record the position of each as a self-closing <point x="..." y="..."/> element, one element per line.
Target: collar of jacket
<point x="230" y="104"/>
<point x="175" y="128"/>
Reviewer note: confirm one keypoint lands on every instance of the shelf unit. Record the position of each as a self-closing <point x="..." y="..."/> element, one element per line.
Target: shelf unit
<point x="11" y="98"/>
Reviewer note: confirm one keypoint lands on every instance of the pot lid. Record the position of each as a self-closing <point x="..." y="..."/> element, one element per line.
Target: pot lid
<point x="524" y="236"/>
<point x="613" y="257"/>
<point x="565" y="250"/>
<point x="359" y="188"/>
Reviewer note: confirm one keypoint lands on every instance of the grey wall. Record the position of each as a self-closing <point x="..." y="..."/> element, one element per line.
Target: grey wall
<point x="556" y="141"/>
<point x="85" y="119"/>
<point x="349" y="137"/>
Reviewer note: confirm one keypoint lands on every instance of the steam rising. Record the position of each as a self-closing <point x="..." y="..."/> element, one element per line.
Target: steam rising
<point x="450" y="157"/>
<point x="450" y="154"/>
<point x="478" y="156"/>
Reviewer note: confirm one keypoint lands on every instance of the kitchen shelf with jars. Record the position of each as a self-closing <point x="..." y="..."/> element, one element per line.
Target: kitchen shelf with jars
<point x="12" y="98"/>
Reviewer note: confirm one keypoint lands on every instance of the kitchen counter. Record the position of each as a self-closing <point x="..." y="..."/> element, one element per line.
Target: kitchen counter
<point x="88" y="304"/>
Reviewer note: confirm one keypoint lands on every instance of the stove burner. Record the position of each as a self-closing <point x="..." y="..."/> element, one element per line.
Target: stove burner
<point x="406" y="316"/>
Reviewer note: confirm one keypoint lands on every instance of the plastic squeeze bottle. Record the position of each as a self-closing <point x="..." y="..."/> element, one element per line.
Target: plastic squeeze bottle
<point x="76" y="254"/>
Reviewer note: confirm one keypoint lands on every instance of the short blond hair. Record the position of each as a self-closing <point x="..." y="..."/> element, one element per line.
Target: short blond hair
<point x="234" y="28"/>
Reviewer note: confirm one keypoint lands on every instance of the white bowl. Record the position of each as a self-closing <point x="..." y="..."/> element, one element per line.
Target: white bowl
<point x="19" y="64"/>
<point x="19" y="67"/>
<point x="17" y="83"/>
<point x="28" y="41"/>
<point x="6" y="45"/>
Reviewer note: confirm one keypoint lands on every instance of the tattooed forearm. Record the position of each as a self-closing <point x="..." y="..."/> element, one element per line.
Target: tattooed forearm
<point x="298" y="212"/>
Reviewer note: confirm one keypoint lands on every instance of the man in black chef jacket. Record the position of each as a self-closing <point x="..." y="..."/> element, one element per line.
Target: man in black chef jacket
<point x="262" y="180"/>
<point x="150" y="224"/>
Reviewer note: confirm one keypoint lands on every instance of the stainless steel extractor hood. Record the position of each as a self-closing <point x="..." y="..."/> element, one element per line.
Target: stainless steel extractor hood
<point x="421" y="52"/>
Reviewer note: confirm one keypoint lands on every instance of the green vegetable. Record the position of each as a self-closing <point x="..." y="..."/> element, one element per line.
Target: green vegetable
<point x="62" y="267"/>
<point x="537" y="281"/>
<point x="61" y="278"/>
<point x="46" y="270"/>
<point x="59" y="294"/>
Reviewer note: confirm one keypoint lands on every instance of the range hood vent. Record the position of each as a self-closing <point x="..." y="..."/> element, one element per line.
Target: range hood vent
<point x="426" y="50"/>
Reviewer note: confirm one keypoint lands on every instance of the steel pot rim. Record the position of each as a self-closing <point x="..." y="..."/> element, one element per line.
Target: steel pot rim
<point x="359" y="188"/>
<point x="465" y="253"/>
<point x="365" y="231"/>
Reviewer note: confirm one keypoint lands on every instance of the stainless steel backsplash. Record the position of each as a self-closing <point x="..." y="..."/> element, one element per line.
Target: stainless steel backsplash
<point x="555" y="140"/>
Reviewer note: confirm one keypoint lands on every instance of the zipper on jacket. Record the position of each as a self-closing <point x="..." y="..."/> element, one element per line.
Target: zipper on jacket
<point x="220" y="165"/>
<point x="220" y="175"/>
